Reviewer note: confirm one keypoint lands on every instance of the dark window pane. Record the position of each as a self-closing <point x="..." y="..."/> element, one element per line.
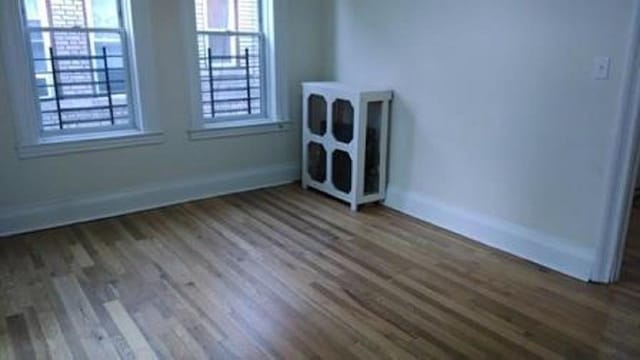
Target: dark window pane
<point x="37" y="48"/>
<point x="115" y="61"/>
<point x="39" y="66"/>
<point x="116" y="78"/>
<point x="220" y="45"/>
<point x="43" y="90"/>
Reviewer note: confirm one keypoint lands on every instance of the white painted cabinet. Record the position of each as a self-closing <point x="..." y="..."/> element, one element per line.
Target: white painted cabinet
<point x="345" y="140"/>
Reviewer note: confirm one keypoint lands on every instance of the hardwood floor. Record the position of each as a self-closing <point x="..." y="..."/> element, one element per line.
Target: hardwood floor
<point x="283" y="273"/>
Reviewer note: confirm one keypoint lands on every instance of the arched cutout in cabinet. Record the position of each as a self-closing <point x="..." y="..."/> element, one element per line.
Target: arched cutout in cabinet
<point x="372" y="148"/>
<point x="343" y="123"/>
<point x="317" y="107"/>
<point x="342" y="171"/>
<point x="317" y="162"/>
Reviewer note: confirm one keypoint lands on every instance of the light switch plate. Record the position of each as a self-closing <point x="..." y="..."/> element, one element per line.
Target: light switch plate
<point x="601" y="68"/>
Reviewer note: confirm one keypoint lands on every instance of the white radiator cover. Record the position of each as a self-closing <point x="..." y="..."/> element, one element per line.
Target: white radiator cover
<point x="345" y="136"/>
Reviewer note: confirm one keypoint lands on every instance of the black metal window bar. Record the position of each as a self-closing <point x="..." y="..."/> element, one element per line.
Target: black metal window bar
<point x="96" y="97"/>
<point x="231" y="84"/>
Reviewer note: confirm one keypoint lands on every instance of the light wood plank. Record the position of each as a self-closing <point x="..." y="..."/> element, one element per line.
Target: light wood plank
<point x="139" y="345"/>
<point x="92" y="336"/>
<point x="81" y="257"/>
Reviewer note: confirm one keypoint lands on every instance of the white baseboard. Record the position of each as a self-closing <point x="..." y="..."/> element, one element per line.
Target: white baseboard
<point x="544" y="249"/>
<point x="68" y="211"/>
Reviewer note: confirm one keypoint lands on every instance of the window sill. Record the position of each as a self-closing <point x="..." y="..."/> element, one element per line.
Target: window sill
<point x="67" y="144"/>
<point x="236" y="128"/>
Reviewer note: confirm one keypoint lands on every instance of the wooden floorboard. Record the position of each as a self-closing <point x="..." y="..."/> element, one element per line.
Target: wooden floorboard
<point x="287" y="273"/>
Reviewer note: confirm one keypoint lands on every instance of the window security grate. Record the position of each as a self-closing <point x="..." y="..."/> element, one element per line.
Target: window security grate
<point x="81" y="78"/>
<point x="90" y="101"/>
<point x="231" y="75"/>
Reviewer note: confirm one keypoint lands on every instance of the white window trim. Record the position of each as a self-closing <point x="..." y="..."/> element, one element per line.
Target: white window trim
<point x="16" y="58"/>
<point x="233" y="128"/>
<point x="68" y="144"/>
<point x="277" y="117"/>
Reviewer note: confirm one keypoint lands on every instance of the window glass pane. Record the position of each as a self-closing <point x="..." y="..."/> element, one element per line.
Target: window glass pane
<point x="232" y="15"/>
<point x="38" y="49"/>
<point x="218" y="14"/>
<point x="31" y="9"/>
<point x="117" y="75"/>
<point x="43" y="90"/>
<point x="74" y="13"/>
<point x="105" y="14"/>
<point x="248" y="15"/>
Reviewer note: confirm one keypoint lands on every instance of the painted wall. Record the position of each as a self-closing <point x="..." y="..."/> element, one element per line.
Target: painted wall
<point x="499" y="130"/>
<point x="26" y="184"/>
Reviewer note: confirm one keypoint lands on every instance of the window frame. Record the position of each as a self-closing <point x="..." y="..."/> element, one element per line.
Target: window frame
<point x="91" y="31"/>
<point x="274" y="117"/>
<point x="24" y="100"/>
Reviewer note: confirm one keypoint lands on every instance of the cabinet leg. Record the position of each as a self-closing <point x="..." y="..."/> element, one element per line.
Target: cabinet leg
<point x="354" y="207"/>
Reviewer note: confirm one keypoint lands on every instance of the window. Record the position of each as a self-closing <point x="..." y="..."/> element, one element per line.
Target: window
<point x="231" y="59"/>
<point x="80" y="65"/>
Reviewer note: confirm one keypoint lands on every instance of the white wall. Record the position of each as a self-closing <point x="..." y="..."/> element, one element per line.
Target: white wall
<point x="65" y="182"/>
<point x="499" y="132"/>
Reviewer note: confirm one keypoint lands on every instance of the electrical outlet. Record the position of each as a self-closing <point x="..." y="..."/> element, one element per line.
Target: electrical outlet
<point x="601" y="68"/>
